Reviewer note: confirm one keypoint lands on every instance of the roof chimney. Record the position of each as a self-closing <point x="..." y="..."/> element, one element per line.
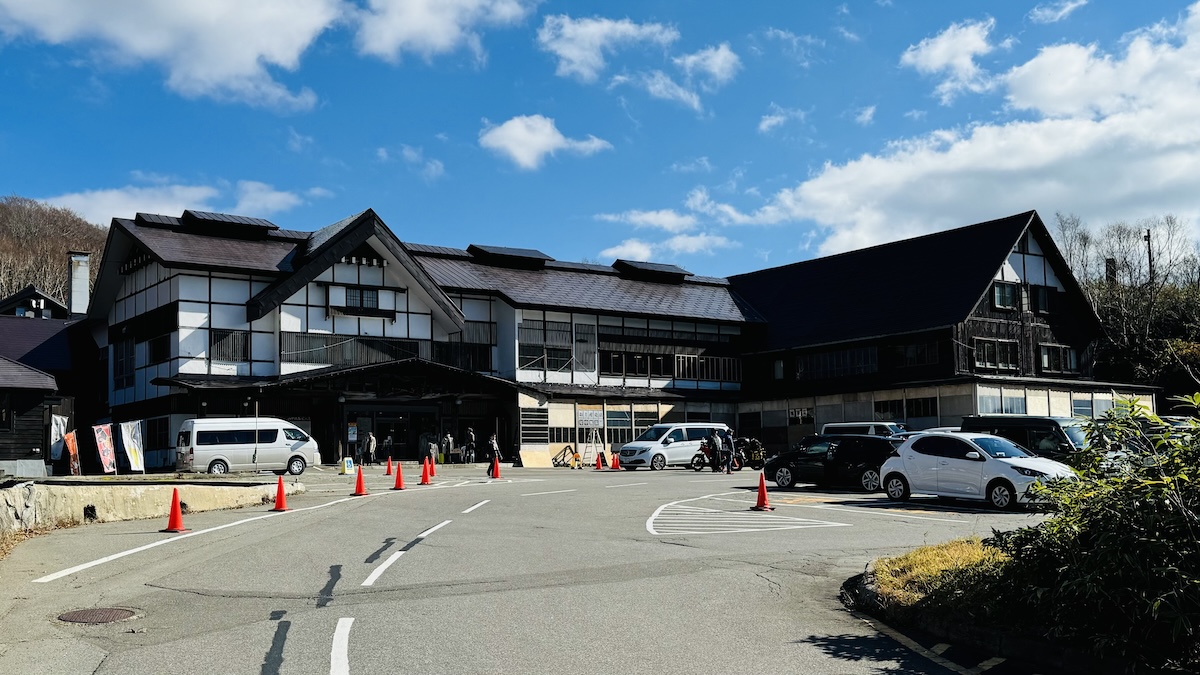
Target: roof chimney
<point x="78" y="282"/>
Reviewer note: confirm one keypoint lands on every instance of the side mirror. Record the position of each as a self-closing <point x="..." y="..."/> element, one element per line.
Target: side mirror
<point x="973" y="455"/>
<point x="666" y="441"/>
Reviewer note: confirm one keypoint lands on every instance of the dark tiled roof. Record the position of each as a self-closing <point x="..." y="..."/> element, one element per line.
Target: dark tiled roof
<point x="651" y="267"/>
<point x="228" y="219"/>
<point x="39" y="343"/>
<point x="906" y="286"/>
<point x="588" y="288"/>
<point x="15" y="375"/>
<point x="508" y="252"/>
<point x="322" y="236"/>
<point x="176" y="247"/>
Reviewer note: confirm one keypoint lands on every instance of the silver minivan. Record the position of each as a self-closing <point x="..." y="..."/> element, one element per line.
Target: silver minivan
<point x="863" y="428"/>
<point x="224" y="444"/>
<point x="664" y="445"/>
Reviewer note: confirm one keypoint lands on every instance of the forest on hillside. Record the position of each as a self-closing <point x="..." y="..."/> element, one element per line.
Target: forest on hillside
<point x="34" y="241"/>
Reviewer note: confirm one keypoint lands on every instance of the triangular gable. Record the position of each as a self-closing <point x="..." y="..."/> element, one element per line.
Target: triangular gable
<point x="329" y="245"/>
<point x="30" y="292"/>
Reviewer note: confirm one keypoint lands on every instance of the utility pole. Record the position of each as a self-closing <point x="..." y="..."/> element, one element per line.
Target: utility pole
<point x="1149" y="255"/>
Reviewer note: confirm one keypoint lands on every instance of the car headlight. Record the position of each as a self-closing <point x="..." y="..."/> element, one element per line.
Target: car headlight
<point x="1032" y="473"/>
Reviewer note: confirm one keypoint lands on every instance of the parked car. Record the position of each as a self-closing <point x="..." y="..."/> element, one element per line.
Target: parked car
<point x="868" y="428"/>
<point x="224" y="444"/>
<point x="832" y="460"/>
<point x="1054" y="437"/>
<point x="905" y="435"/>
<point x="968" y="466"/>
<point x="664" y="445"/>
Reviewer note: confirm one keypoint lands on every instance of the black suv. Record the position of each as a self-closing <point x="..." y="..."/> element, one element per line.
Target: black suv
<point x="832" y="460"/>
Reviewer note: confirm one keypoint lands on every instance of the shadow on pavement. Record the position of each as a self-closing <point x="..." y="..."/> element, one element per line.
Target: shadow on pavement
<point x="878" y="651"/>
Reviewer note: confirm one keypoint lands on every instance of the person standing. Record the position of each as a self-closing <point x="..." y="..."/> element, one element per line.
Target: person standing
<point x="469" y="450"/>
<point x="369" y="449"/>
<point x="494" y="449"/>
<point x="714" y="447"/>
<point x="727" y="450"/>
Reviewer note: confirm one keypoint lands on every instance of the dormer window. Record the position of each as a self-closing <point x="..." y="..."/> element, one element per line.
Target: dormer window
<point x="1005" y="295"/>
<point x="362" y="298"/>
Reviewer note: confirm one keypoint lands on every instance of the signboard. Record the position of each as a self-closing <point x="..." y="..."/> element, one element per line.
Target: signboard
<point x="352" y="432"/>
<point x="58" y="430"/>
<point x="104" y="446"/>
<point x="131" y="438"/>
<point x="73" y="453"/>
<point x="589" y="419"/>
<point x="346" y="466"/>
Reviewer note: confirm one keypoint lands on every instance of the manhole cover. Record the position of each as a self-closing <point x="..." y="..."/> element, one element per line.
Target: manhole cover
<point x="98" y="615"/>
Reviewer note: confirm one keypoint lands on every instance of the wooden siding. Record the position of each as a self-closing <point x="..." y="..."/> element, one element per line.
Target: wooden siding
<point x="28" y="433"/>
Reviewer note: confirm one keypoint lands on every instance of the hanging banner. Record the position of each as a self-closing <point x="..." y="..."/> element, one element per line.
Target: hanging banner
<point x="131" y="438"/>
<point x="104" y="445"/>
<point x="73" y="452"/>
<point x="58" y="429"/>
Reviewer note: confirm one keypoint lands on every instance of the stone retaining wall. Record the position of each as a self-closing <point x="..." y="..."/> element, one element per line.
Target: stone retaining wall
<point x="33" y="505"/>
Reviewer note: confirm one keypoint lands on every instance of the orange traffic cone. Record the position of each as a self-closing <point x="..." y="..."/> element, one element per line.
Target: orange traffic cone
<point x="616" y="463"/>
<point x="399" y="478"/>
<point x="360" y="488"/>
<point x="432" y="468"/>
<point x="425" y="473"/>
<point x="762" y="504"/>
<point x="175" y="522"/>
<point x="389" y="467"/>
<point x="280" y="497"/>
<point x="598" y="467"/>
<point x="495" y="468"/>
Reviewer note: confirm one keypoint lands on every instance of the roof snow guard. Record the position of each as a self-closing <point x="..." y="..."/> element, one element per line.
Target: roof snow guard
<point x="207" y="217"/>
<point x="648" y="271"/>
<point x="512" y="258"/>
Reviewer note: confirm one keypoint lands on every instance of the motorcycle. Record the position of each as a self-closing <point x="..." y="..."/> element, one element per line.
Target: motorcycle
<point x="715" y="459"/>
<point x="753" y="452"/>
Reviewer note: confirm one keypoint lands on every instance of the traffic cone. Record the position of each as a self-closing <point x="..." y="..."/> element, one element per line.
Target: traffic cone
<point x="495" y="468"/>
<point x="280" y="497"/>
<point x="175" y="522"/>
<point x="432" y="468"/>
<point x="762" y="504"/>
<point x="389" y="467"/>
<point x="598" y="462"/>
<point x="616" y="463"/>
<point x="425" y="473"/>
<point x="360" y="488"/>
<point x="399" y="478"/>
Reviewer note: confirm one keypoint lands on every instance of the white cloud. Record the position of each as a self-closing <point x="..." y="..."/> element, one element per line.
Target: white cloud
<point x="660" y="85"/>
<point x="777" y="116"/>
<point x="427" y="28"/>
<point x="318" y="193"/>
<point x="223" y="49"/>
<point x="1055" y="11"/>
<point x="951" y="54"/>
<point x="865" y="116"/>
<point x="101" y="206"/>
<point x="664" y="219"/>
<point x="700" y="164"/>
<point x="848" y="35"/>
<point x="716" y="66"/>
<point x="433" y="170"/>
<point x="527" y="139"/>
<point x="697" y="243"/>
<point x="410" y="154"/>
<point x="1113" y="137"/>
<point x="630" y="249"/>
<point x="915" y="115"/>
<point x="382" y="154"/>
<point x="260" y="199"/>
<point x="799" y="47"/>
<point x="581" y="44"/>
<point x="298" y="142"/>
<point x="428" y="168"/>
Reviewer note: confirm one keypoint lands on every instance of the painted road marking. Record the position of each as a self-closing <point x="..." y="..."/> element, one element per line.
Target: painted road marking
<point x="939" y="648"/>
<point x="866" y="511"/>
<point x="433" y="529"/>
<point x="552" y="492"/>
<point x="339" y="655"/>
<point x="477" y="506"/>
<point x="380" y="570"/>
<point x="686" y="517"/>
<point x="625" y="485"/>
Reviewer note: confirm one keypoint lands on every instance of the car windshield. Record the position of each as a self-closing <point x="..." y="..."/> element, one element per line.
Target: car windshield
<point x="1000" y="448"/>
<point x="1076" y="434"/>
<point x="654" y="433"/>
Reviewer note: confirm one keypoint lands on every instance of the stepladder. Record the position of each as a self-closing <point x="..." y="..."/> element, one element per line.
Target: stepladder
<point x="593" y="447"/>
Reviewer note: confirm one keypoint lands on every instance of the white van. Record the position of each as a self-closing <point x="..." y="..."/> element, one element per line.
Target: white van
<point x="664" y="445"/>
<point x="865" y="428"/>
<point x="224" y="444"/>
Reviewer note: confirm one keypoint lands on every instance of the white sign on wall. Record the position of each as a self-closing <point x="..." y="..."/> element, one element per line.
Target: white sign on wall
<point x="589" y="419"/>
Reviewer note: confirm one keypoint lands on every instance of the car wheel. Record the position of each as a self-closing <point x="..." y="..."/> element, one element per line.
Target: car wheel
<point x="896" y="487"/>
<point x="1002" y="495"/>
<point x="869" y="480"/>
<point x="784" y="478"/>
<point x="658" y="463"/>
<point x="218" y="466"/>
<point x="296" y="466"/>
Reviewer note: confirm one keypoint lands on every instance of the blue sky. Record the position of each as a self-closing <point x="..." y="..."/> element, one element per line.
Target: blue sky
<point x="722" y="137"/>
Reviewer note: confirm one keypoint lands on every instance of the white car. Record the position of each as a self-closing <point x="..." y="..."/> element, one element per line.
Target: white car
<point x="967" y="466"/>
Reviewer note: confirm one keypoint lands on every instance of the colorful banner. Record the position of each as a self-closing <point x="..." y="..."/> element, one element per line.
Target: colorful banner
<point x="131" y="438"/>
<point x="58" y="429"/>
<point x="104" y="445"/>
<point x="73" y="452"/>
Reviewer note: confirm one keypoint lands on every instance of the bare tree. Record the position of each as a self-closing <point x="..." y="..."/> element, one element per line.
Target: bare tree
<point x="34" y="241"/>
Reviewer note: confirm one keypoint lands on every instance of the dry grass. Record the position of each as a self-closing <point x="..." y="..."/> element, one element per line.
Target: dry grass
<point x="906" y="580"/>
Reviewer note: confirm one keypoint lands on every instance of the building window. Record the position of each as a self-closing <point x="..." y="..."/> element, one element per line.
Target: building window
<point x="1004" y="295"/>
<point x="562" y="434"/>
<point x="157" y="433"/>
<point x="535" y="426"/>
<point x="158" y="349"/>
<point x="989" y="400"/>
<point x="544" y="345"/>
<point x="889" y="410"/>
<point x="661" y="365"/>
<point x="1081" y="407"/>
<point x="367" y="298"/>
<point x="619" y="426"/>
<point x="840" y="363"/>
<point x="1039" y="299"/>
<point x="6" y="412"/>
<point x="1013" y="402"/>
<point x="920" y="354"/>
<point x="585" y="347"/>
<point x="124" y="356"/>
<point x="228" y="345"/>
<point x="779" y="369"/>
<point x="1059" y="359"/>
<point x="922" y="407"/>
<point x="1000" y="354"/>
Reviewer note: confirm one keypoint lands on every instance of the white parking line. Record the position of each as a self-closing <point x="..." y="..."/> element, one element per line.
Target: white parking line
<point x="433" y="529"/>
<point x="713" y="480"/>
<point x="477" y="506"/>
<point x="380" y="570"/>
<point x="339" y="655"/>
<point x="625" y="485"/>
<point x="553" y="492"/>
<point x="869" y="512"/>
